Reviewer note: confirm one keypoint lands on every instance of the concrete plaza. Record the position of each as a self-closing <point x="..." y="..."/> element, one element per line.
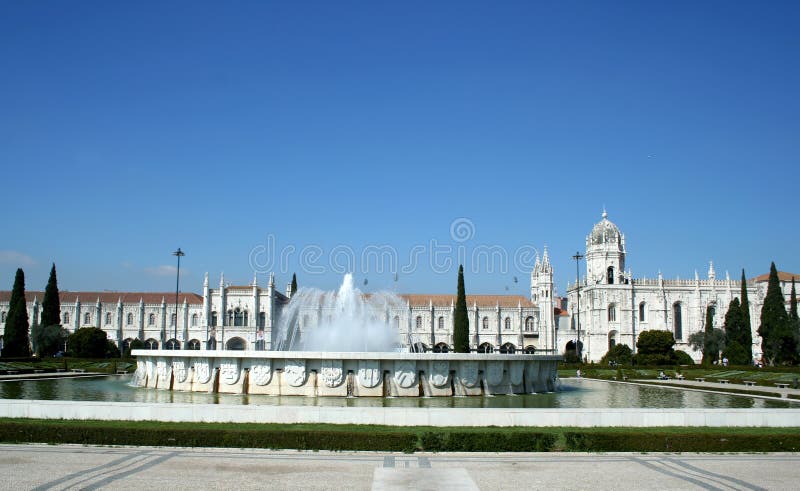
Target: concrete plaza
<point x="88" y="467"/>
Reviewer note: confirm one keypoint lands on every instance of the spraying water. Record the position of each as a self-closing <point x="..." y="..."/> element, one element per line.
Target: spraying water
<point x="346" y="320"/>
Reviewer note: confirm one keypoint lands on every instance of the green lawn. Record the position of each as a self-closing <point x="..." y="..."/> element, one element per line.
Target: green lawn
<point x="52" y="364"/>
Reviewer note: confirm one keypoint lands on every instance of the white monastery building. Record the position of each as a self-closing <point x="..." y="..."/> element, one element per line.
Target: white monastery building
<point x="614" y="307"/>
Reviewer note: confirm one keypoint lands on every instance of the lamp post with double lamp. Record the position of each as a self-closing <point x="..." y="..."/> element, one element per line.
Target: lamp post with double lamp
<point x="577" y="257"/>
<point x="179" y="253"/>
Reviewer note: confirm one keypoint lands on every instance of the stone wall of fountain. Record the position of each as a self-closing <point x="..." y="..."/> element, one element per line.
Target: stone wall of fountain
<point x="313" y="374"/>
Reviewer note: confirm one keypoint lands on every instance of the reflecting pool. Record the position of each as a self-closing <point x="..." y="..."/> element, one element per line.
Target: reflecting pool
<point x="574" y="393"/>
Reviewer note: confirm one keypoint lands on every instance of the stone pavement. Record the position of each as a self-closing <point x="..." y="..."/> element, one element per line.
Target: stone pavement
<point x="85" y="467"/>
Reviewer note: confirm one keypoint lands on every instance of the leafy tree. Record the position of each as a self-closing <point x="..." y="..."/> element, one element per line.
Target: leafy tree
<point x="135" y="344"/>
<point x="48" y="340"/>
<point x="710" y="342"/>
<point x="777" y="340"/>
<point x="88" y="342"/>
<point x="655" y="347"/>
<point x="15" y="337"/>
<point x="619" y="353"/>
<point x="461" y="320"/>
<point x="51" y="304"/>
<point x="293" y="288"/>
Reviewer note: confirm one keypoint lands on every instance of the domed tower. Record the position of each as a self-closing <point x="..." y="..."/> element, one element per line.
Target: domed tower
<point x="605" y="253"/>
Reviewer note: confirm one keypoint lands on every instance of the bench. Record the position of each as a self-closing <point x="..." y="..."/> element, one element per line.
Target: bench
<point x="781" y="385"/>
<point x="12" y="372"/>
<point x="38" y="371"/>
<point x="78" y="370"/>
<point x="749" y="383"/>
<point x="700" y="379"/>
<point x="679" y="376"/>
<point x="121" y="372"/>
<point x="723" y="381"/>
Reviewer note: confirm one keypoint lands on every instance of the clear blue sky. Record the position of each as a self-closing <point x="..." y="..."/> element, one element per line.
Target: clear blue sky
<point x="128" y="129"/>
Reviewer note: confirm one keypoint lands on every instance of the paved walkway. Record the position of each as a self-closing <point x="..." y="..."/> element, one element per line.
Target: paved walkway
<point x="43" y="467"/>
<point x="713" y="386"/>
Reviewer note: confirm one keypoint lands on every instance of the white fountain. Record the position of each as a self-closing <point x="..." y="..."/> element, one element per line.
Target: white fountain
<point x="353" y="350"/>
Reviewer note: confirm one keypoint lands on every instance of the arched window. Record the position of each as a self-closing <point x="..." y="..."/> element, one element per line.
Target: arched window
<point x="508" y="323"/>
<point x="642" y="312"/>
<point x="151" y="344"/>
<point x="129" y="320"/>
<point x="194" y="322"/>
<point x="441" y="326"/>
<point x="508" y="348"/>
<point x="262" y="319"/>
<point x="151" y="319"/>
<point x="529" y="323"/>
<point x="87" y="318"/>
<point x="108" y="318"/>
<point x="678" y="320"/>
<point x="485" y="324"/>
<point x="419" y="322"/>
<point x="193" y="344"/>
<point x="610" y="275"/>
<point x="612" y="313"/>
<point x="214" y="319"/>
<point x="246" y="318"/>
<point x="173" y="344"/>
<point x="397" y="322"/>
<point x="485" y="348"/>
<point x="230" y="318"/>
<point x="66" y="318"/>
<point x="172" y="319"/>
<point x="530" y="350"/>
<point x="441" y="348"/>
<point x="612" y="339"/>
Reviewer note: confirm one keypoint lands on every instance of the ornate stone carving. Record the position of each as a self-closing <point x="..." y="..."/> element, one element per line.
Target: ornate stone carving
<point x="229" y="370"/>
<point x="202" y="372"/>
<point x="162" y="369"/>
<point x="261" y="373"/>
<point x="494" y="372"/>
<point x="440" y="372"/>
<point x="179" y="370"/>
<point x="468" y="373"/>
<point x="405" y="373"/>
<point x="532" y="373"/>
<point x="141" y="372"/>
<point x="515" y="370"/>
<point x="151" y="371"/>
<point x="369" y="373"/>
<point x="331" y="372"/>
<point x="295" y="372"/>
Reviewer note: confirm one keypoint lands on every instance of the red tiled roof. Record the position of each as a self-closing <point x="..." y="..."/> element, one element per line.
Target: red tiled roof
<point x="90" y="298"/>
<point x="782" y="276"/>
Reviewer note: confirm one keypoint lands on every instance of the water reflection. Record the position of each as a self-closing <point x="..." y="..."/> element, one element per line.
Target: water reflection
<point x="574" y="393"/>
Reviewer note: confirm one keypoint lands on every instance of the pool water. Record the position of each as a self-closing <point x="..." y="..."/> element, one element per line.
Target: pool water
<point x="573" y="393"/>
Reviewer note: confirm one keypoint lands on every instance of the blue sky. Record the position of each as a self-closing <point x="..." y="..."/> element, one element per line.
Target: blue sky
<point x="334" y="128"/>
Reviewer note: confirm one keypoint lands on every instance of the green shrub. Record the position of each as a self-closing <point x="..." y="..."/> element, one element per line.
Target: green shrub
<point x="683" y="358"/>
<point x="88" y="342"/>
<point x="482" y="441"/>
<point x="615" y="441"/>
<point x="620" y="353"/>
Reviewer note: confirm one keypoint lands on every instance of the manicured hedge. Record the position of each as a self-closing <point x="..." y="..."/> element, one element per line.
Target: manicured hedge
<point x="303" y="439"/>
<point x="615" y="441"/>
<point x="483" y="441"/>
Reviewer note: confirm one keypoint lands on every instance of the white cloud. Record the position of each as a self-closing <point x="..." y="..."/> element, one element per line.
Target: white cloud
<point x="16" y="258"/>
<point x="163" y="270"/>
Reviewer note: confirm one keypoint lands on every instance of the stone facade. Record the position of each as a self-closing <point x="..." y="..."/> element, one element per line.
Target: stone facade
<point x="244" y="317"/>
<point x="615" y="307"/>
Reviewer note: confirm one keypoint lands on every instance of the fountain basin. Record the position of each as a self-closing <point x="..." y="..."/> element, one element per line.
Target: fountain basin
<point x="367" y="374"/>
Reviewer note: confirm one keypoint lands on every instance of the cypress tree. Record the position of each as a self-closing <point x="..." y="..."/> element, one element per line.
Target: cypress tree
<point x="793" y="303"/>
<point x="293" y="288"/>
<point x="747" y="328"/>
<point x="708" y="355"/>
<point x="15" y="336"/>
<point x="461" y="320"/>
<point x="734" y="324"/>
<point x="51" y="305"/>
<point x="774" y="321"/>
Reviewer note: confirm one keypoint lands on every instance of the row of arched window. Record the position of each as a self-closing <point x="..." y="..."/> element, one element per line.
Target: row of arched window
<point x="529" y="323"/>
<point x="677" y="317"/>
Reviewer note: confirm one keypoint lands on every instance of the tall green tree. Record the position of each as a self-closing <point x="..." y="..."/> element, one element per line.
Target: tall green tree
<point x="777" y="341"/>
<point x="747" y="328"/>
<point x="293" y="288"/>
<point x="793" y="303"/>
<point x="461" y="320"/>
<point x="735" y="335"/>
<point x="15" y="337"/>
<point x="51" y="305"/>
<point x="710" y="350"/>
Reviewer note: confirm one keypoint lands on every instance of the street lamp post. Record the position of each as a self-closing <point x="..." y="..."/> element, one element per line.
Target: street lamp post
<point x="179" y="253"/>
<point x="577" y="257"/>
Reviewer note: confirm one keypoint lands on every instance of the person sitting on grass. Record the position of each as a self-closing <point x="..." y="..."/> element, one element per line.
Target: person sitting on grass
<point x="661" y="375"/>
